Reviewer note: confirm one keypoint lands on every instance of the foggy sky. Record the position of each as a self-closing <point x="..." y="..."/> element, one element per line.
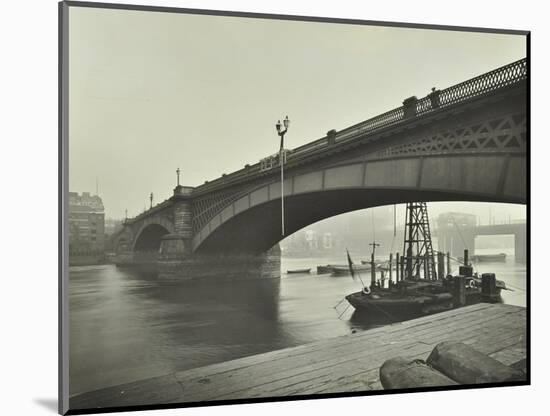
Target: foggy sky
<point x="151" y="92"/>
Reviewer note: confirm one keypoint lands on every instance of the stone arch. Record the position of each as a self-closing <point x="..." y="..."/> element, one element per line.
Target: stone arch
<point x="150" y="233"/>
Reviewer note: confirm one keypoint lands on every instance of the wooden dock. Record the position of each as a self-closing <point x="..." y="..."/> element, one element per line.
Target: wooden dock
<point x="348" y="363"/>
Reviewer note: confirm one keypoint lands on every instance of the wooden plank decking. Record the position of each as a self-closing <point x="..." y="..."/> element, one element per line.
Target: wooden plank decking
<point x="343" y="364"/>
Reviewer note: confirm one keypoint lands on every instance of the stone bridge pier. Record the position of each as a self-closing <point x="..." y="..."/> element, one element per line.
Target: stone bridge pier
<point x="176" y="246"/>
<point x="176" y="257"/>
<point x="160" y="241"/>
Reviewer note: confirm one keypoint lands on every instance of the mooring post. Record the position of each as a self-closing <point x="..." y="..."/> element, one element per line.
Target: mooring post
<point x="409" y="266"/>
<point x="426" y="275"/>
<point x="440" y="265"/>
<point x="372" y="271"/>
<point x="448" y="262"/>
<point x="459" y="291"/>
<point x="396" y="267"/>
<point x="489" y="287"/>
<point x="390" y="267"/>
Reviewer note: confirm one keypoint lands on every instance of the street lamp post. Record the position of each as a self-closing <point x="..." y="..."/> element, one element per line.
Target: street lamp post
<point x="282" y="133"/>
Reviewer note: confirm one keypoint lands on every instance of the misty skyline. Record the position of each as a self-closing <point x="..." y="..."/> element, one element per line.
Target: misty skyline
<point x="368" y="222"/>
<point x="151" y="92"/>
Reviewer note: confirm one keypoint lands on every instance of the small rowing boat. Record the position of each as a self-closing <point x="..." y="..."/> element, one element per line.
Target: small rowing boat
<point x="478" y="258"/>
<point x="344" y="270"/>
<point x="500" y="257"/>
<point x="324" y="269"/>
<point x="298" y="271"/>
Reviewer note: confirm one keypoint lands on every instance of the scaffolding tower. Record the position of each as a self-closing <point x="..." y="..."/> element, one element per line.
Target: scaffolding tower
<point x="417" y="244"/>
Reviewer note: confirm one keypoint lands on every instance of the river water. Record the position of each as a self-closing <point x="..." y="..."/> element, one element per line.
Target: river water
<point x="126" y="326"/>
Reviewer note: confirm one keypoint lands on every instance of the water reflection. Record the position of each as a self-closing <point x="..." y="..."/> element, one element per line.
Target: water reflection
<point x="126" y="326"/>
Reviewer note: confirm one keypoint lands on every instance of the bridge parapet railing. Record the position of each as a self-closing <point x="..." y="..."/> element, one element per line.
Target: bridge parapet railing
<point x="383" y="120"/>
<point x="482" y="84"/>
<point x="310" y="146"/>
<point x="147" y="212"/>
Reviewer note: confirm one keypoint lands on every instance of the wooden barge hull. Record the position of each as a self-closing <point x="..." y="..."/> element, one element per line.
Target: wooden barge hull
<point x="399" y="306"/>
<point x="403" y="305"/>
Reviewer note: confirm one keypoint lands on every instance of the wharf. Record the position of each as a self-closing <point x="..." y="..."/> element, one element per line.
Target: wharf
<point x="347" y="363"/>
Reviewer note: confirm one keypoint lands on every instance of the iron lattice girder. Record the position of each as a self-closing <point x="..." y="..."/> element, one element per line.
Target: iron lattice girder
<point x="417" y="244"/>
<point x="506" y="133"/>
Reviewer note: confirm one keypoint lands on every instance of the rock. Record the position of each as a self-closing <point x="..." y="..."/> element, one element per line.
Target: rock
<point x="466" y="365"/>
<point x="402" y="373"/>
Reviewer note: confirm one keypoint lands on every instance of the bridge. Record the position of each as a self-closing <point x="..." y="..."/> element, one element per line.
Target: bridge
<point x="455" y="239"/>
<point x="467" y="142"/>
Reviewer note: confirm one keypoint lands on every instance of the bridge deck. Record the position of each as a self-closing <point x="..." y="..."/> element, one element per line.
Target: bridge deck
<point x="343" y="364"/>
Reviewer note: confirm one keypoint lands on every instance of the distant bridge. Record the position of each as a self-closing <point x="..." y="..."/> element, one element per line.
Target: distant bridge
<point x="456" y="239"/>
<point x="467" y="142"/>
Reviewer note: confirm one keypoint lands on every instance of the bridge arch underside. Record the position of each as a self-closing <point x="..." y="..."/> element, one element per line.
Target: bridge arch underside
<point x="252" y="224"/>
<point x="259" y="228"/>
<point x="150" y="237"/>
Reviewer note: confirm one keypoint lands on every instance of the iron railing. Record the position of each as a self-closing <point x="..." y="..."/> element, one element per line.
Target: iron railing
<point x="459" y="93"/>
<point x="383" y="120"/>
<point x="483" y="84"/>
